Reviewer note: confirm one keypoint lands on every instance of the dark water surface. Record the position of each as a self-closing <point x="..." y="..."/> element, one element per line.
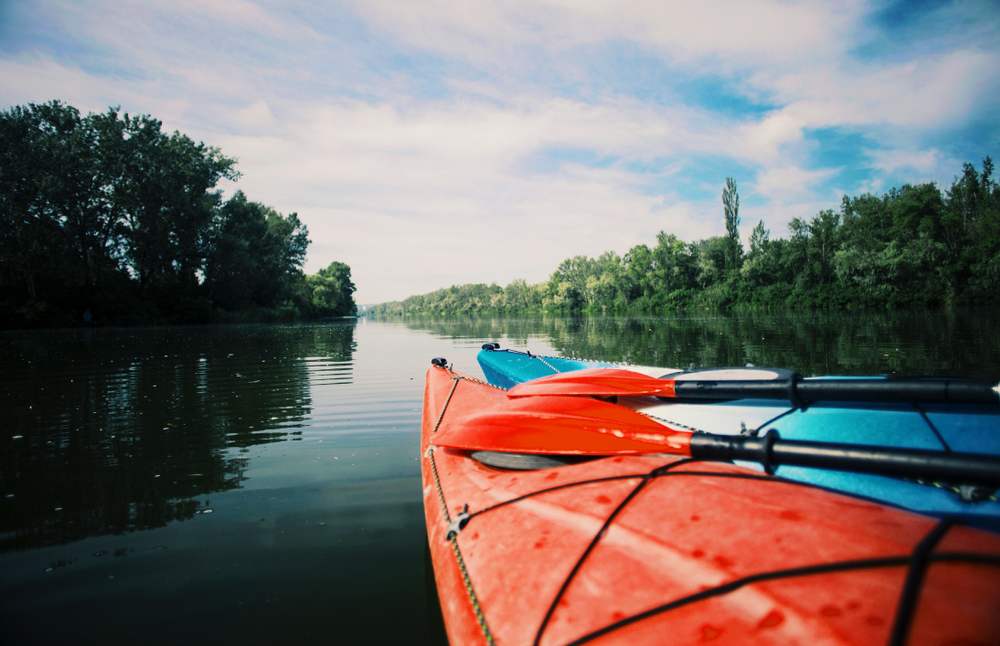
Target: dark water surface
<point x="261" y="484"/>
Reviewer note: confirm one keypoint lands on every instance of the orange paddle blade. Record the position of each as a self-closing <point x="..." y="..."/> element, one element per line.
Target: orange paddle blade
<point x="561" y="425"/>
<point x="601" y="382"/>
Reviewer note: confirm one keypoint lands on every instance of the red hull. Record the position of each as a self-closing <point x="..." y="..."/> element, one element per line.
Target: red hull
<point x="654" y="550"/>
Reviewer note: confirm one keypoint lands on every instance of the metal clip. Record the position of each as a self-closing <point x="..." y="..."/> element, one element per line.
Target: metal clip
<point x="457" y="525"/>
<point x="974" y="493"/>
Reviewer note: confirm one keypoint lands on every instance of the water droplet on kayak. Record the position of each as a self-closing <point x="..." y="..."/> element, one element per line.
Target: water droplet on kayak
<point x="602" y="499"/>
<point x="790" y="515"/>
<point x="708" y="633"/>
<point x="831" y="611"/>
<point x="773" y="618"/>
<point x="875" y="621"/>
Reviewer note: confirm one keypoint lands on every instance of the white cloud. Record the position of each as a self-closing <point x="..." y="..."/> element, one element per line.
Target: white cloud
<point x="922" y="161"/>
<point x="407" y="196"/>
<point x="35" y="78"/>
<point x="726" y="31"/>
<point x="790" y="182"/>
<point x="925" y="93"/>
<point x="258" y="114"/>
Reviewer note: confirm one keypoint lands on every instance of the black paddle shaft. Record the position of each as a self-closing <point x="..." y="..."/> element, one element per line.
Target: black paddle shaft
<point x="796" y="389"/>
<point x="771" y="451"/>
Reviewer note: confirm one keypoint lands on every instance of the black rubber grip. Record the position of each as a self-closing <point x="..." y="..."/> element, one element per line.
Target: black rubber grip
<point x="965" y="468"/>
<point x="924" y="391"/>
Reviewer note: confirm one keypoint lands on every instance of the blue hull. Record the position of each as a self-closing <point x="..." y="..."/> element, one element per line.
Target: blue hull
<point x="943" y="427"/>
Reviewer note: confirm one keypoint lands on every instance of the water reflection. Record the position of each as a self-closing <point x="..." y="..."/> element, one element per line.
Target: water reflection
<point x="947" y="342"/>
<point x="113" y="431"/>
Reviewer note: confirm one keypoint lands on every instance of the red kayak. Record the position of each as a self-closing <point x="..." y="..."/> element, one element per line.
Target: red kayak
<point x="650" y="548"/>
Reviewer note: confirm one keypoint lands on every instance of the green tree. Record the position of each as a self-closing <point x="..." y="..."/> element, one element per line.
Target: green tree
<point x="731" y="206"/>
<point x="255" y="255"/>
<point x="30" y="231"/>
<point x="108" y="212"/>
<point x="757" y="271"/>
<point x="332" y="291"/>
<point x="823" y="243"/>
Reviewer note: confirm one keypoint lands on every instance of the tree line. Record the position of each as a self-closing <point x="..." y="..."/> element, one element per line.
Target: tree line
<point x="106" y="219"/>
<point x="915" y="245"/>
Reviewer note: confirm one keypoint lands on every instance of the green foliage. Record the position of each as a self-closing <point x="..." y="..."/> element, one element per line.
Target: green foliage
<point x="332" y="291"/>
<point x="913" y="246"/>
<point x="731" y="208"/>
<point x="108" y="213"/>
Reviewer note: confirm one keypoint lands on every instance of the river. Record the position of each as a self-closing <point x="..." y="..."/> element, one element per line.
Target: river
<point x="261" y="484"/>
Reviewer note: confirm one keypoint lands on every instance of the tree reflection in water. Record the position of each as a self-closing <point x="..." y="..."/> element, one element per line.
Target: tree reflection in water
<point x="113" y="431"/>
<point x="918" y="343"/>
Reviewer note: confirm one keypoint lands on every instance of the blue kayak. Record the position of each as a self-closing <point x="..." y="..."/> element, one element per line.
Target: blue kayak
<point x="945" y="427"/>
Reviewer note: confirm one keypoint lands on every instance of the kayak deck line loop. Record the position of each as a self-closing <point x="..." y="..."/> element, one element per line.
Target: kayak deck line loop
<point x="539" y="357"/>
<point x="930" y="425"/>
<point x="454" y="385"/>
<point x="602" y="532"/>
<point x="732" y="586"/>
<point x="660" y="472"/>
<point x="440" y="363"/>
<point x="453" y="539"/>
<point x="917" y="564"/>
<point x="824" y="568"/>
<point x="914" y="580"/>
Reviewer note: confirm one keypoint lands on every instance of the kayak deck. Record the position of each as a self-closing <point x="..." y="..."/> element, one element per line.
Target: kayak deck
<point x="943" y="427"/>
<point x="653" y="549"/>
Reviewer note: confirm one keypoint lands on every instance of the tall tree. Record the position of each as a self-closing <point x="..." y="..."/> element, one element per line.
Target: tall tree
<point x="731" y="206"/>
<point x="255" y="255"/>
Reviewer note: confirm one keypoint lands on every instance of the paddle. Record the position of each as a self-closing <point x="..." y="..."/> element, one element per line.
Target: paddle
<point x="527" y="431"/>
<point x="607" y="382"/>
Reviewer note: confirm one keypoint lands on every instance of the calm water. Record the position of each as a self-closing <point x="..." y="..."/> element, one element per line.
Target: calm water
<point x="261" y="484"/>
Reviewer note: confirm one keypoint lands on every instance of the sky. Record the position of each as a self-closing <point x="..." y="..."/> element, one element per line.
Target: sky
<point x="453" y="141"/>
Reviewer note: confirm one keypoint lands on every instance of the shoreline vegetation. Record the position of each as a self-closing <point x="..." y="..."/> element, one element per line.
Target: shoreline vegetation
<point x="914" y="246"/>
<point x="107" y="220"/>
